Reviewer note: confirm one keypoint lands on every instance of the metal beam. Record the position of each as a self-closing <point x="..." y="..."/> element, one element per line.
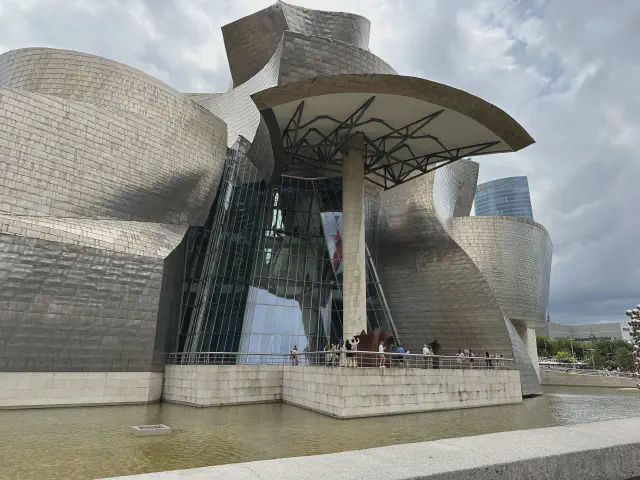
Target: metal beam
<point x="383" y="155"/>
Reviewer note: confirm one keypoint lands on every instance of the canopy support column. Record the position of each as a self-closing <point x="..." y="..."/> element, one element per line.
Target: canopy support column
<point x="354" y="289"/>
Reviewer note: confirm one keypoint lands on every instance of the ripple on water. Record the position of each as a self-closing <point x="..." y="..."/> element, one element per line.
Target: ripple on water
<point x="92" y="442"/>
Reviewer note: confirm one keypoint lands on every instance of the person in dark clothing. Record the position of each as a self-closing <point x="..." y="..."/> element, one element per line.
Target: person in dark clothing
<point x="489" y="363"/>
<point x="347" y="345"/>
<point x="400" y="358"/>
<point x="435" y="348"/>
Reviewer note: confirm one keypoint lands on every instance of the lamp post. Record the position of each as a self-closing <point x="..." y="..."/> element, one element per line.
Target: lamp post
<point x="634" y="343"/>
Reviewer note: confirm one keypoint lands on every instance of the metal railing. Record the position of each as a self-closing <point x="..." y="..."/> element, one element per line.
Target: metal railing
<point x="333" y="359"/>
<point x="586" y="371"/>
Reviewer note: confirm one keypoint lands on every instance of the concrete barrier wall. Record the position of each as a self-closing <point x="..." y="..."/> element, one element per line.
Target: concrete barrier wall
<point x="50" y="389"/>
<point x="341" y="392"/>
<point x="208" y="385"/>
<point x="361" y="392"/>
<point x="596" y="451"/>
<point x="576" y="380"/>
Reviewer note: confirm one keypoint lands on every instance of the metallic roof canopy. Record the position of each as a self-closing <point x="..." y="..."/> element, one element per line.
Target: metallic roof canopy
<point x="410" y="126"/>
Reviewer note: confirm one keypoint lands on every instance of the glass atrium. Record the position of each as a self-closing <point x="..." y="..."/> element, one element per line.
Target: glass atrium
<point x="265" y="272"/>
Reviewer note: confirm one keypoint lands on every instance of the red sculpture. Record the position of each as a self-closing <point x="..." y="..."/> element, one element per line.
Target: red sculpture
<point x="368" y="346"/>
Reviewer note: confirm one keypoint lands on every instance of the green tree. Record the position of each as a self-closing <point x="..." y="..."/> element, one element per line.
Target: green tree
<point x="563" y="345"/>
<point x="579" y="351"/>
<point x="564" y="357"/>
<point x="596" y="359"/>
<point x="607" y="350"/>
<point x="544" y="346"/>
<point x="623" y="358"/>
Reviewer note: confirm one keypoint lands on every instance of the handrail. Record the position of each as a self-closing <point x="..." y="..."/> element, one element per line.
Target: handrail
<point x="586" y="371"/>
<point x="342" y="358"/>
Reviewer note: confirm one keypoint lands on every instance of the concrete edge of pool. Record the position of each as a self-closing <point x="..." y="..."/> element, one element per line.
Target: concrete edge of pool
<point x="604" y="450"/>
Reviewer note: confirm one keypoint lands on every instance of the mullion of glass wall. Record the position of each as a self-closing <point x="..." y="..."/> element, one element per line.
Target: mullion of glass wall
<point x="215" y="305"/>
<point x="224" y="310"/>
<point x="266" y="251"/>
<point x="221" y="299"/>
<point x="205" y="285"/>
<point x="238" y="277"/>
<point x="210" y="288"/>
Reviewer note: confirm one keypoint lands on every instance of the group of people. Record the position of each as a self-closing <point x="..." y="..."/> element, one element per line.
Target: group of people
<point x="293" y="355"/>
<point x="342" y="354"/>
<point x="466" y="358"/>
<point x="395" y="360"/>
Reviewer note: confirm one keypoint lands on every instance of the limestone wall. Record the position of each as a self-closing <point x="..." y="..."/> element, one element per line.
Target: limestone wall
<point x="341" y="392"/>
<point x="576" y="380"/>
<point x="208" y="385"/>
<point x="40" y="389"/>
<point x="348" y="393"/>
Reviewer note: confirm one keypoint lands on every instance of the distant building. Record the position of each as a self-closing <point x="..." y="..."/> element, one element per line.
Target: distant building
<point x="587" y="331"/>
<point x="504" y="197"/>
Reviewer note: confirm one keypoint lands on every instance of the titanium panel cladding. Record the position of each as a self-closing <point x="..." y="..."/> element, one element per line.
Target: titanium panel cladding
<point x="94" y="207"/>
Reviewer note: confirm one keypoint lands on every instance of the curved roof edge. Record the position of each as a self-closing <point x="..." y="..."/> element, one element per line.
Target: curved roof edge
<point x="504" y="218"/>
<point x="143" y="76"/>
<point x="66" y="51"/>
<point x="353" y="16"/>
<point x="485" y="113"/>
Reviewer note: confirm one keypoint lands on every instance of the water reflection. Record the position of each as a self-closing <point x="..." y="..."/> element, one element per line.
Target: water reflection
<point x="80" y="443"/>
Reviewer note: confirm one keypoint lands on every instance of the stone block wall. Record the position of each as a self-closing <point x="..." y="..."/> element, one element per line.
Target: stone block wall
<point x="361" y="392"/>
<point x="341" y="392"/>
<point x="209" y="385"/>
<point x="49" y="389"/>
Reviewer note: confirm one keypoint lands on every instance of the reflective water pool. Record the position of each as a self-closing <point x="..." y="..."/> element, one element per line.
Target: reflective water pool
<point x="92" y="442"/>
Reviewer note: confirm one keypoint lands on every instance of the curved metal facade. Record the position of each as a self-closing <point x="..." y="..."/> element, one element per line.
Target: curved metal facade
<point x="251" y="41"/>
<point x="434" y="289"/>
<point x="308" y="56"/>
<point x="86" y="137"/>
<point x="95" y="206"/>
<point x="438" y="270"/>
<point x="514" y="255"/>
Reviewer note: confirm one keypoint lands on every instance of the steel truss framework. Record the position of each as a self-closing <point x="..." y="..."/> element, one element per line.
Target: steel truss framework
<point x="389" y="159"/>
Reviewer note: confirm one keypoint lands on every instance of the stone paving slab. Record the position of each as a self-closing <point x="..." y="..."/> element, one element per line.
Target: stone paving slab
<point x="598" y="451"/>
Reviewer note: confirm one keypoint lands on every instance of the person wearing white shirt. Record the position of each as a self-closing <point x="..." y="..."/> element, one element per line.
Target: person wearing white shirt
<point x="381" y="355"/>
<point x="426" y="352"/>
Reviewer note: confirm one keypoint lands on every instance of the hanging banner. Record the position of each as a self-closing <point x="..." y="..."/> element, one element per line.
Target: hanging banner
<point x="332" y="227"/>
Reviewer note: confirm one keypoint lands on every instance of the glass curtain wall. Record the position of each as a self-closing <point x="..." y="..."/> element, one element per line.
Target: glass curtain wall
<point x="219" y="264"/>
<point x="265" y="273"/>
<point x="504" y="197"/>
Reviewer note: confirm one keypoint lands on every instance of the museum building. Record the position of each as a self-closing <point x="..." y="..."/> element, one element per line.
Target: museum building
<point x="321" y="196"/>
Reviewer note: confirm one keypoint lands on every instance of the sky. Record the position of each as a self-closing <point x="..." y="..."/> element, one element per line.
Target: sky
<point x="567" y="70"/>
